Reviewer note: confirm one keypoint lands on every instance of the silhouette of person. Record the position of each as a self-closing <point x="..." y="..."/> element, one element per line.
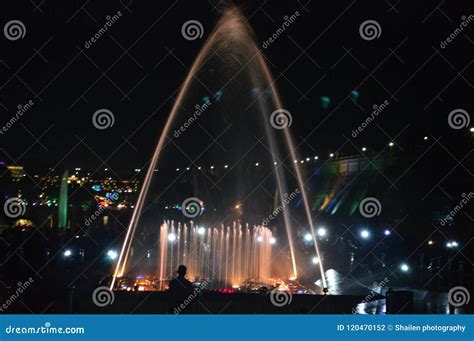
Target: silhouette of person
<point x="180" y="287"/>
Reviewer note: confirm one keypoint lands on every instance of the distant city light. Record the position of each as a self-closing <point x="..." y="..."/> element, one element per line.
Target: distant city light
<point x="259" y="239"/>
<point x="472" y="129"/>
<point x="272" y="240"/>
<point x="112" y="254"/>
<point x="322" y="232"/>
<point x="430" y="242"/>
<point x="391" y="144"/>
<point x="307" y="159"/>
<point x="452" y="244"/>
<point x="295" y="161"/>
<point x="308" y="237"/>
<point x="275" y="163"/>
<point x="425" y="138"/>
<point x="364" y="149"/>
<point x="226" y="166"/>
<point x="315" y="260"/>
<point x="201" y="230"/>
<point x="387" y="232"/>
<point x="404" y="267"/>
<point x="187" y="168"/>
<point x="257" y="164"/>
<point x="365" y="234"/>
<point x="171" y="237"/>
<point x="331" y="155"/>
<point x="199" y="167"/>
<point x="316" y="157"/>
<point x="67" y="253"/>
<point x="212" y="167"/>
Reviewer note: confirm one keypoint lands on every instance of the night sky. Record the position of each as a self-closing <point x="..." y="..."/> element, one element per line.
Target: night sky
<point x="135" y="69"/>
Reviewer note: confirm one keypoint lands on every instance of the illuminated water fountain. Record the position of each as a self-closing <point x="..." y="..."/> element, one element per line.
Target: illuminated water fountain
<point x="223" y="112"/>
<point x="225" y="255"/>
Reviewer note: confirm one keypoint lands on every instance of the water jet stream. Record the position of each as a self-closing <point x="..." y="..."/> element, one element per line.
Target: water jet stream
<point x="231" y="25"/>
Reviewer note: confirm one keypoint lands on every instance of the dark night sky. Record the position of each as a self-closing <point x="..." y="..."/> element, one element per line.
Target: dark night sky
<point x="131" y="71"/>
